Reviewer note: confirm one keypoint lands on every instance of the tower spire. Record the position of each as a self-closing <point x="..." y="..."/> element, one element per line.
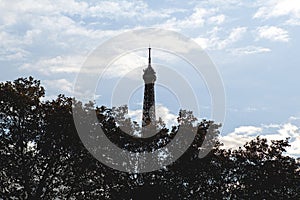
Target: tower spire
<point x="149" y="57"/>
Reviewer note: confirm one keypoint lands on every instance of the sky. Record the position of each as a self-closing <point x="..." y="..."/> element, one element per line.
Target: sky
<point x="253" y="44"/>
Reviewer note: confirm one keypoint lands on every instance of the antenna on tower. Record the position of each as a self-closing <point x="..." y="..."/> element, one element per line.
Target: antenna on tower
<point x="149" y="57"/>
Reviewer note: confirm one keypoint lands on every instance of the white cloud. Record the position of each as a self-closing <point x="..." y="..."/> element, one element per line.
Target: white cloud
<point x="165" y="114"/>
<point x="197" y="19"/>
<point x="293" y="22"/>
<point x="278" y="8"/>
<point x="48" y="27"/>
<point x="58" y="64"/>
<point x="269" y="126"/>
<point x="244" y="134"/>
<point x="234" y="36"/>
<point x="56" y="29"/>
<point x="214" y="42"/>
<point x="11" y="47"/>
<point x="250" y="50"/>
<point x="137" y="10"/>
<point x="240" y="136"/>
<point x="293" y="118"/>
<point x="136" y="115"/>
<point x="289" y="10"/>
<point x="13" y="10"/>
<point x="234" y="141"/>
<point x="218" y="19"/>
<point x="225" y="4"/>
<point x="273" y="33"/>
<point x="247" y="130"/>
<point x="115" y="9"/>
<point x="125" y="65"/>
<point x="295" y="146"/>
<point x="288" y="130"/>
<point x="193" y="21"/>
<point x="64" y="86"/>
<point x="11" y="53"/>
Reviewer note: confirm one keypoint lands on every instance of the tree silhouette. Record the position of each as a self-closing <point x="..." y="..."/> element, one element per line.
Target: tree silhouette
<point x="42" y="156"/>
<point x="20" y="126"/>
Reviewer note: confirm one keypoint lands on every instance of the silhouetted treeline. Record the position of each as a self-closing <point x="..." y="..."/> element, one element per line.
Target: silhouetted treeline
<point x="42" y="156"/>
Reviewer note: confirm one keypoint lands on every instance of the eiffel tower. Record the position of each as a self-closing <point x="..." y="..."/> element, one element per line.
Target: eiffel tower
<point x="149" y="77"/>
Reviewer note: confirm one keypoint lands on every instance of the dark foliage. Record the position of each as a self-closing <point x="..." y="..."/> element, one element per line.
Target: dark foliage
<point x="42" y="156"/>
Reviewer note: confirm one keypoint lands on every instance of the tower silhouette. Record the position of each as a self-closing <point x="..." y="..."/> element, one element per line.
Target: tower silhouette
<point x="149" y="96"/>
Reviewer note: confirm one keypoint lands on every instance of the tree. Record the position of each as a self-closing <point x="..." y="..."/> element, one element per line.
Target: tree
<point x="260" y="170"/>
<point x="42" y="156"/>
<point x="20" y="126"/>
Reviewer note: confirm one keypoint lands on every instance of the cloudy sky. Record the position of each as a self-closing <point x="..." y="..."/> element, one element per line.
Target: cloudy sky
<point x="254" y="45"/>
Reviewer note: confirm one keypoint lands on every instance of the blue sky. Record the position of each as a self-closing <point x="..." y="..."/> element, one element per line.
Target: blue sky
<point x="254" y="45"/>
